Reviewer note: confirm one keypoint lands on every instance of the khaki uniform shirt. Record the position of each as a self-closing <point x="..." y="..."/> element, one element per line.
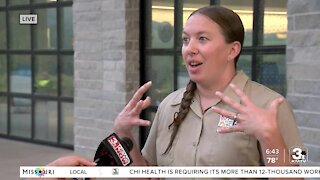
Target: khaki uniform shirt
<point x="198" y="144"/>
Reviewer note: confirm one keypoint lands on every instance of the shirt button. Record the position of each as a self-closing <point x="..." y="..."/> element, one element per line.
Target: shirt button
<point x="194" y="144"/>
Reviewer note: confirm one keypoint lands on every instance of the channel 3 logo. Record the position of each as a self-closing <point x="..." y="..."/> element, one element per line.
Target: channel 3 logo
<point x="298" y="155"/>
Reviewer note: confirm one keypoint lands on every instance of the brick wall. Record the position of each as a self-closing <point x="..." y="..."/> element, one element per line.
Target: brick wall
<point x="106" y="66"/>
<point x="303" y="71"/>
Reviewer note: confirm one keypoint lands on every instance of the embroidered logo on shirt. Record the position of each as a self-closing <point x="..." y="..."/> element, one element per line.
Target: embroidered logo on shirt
<point x="226" y="122"/>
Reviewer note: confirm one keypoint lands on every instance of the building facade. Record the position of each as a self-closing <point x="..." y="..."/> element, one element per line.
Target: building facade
<point x="117" y="45"/>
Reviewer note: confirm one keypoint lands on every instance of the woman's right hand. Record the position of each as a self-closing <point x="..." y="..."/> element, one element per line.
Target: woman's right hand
<point x="130" y="115"/>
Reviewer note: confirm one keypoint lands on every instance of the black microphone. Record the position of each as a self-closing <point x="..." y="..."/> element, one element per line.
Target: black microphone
<point x="114" y="151"/>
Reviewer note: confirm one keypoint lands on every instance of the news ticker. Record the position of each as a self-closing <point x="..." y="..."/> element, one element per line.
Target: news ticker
<point x="171" y="172"/>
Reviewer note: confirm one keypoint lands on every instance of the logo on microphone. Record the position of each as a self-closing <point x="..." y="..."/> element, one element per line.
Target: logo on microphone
<point x="119" y="149"/>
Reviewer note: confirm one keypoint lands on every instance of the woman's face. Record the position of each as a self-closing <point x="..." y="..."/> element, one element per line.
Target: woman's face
<point x="205" y="52"/>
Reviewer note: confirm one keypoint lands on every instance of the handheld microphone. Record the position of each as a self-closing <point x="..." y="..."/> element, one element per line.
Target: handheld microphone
<point x="114" y="151"/>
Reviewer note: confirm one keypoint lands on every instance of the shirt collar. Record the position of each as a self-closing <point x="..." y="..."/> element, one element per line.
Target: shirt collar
<point x="240" y="80"/>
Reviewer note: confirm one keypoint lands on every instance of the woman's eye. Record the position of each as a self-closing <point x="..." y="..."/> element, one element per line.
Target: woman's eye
<point x="202" y="38"/>
<point x="185" y="39"/>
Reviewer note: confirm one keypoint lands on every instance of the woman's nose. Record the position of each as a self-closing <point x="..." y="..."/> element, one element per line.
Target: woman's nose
<point x="192" y="48"/>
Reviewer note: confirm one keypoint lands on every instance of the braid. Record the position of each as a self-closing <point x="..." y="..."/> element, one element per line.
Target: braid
<point x="183" y="111"/>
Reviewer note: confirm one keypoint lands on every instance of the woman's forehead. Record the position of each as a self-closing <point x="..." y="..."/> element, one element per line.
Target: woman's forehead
<point x="200" y="23"/>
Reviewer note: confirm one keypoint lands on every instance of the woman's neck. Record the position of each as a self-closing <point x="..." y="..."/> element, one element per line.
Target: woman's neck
<point x="207" y="91"/>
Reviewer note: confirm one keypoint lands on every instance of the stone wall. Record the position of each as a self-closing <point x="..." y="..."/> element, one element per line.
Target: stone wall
<point x="303" y="71"/>
<point x="106" y="66"/>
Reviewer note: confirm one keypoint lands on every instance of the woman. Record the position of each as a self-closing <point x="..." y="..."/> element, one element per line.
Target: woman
<point x="221" y="118"/>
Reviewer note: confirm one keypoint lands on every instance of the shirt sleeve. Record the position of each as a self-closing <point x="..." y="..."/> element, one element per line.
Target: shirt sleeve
<point x="288" y="126"/>
<point x="149" y="151"/>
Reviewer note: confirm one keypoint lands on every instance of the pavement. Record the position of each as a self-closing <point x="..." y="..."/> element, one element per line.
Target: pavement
<point x="14" y="154"/>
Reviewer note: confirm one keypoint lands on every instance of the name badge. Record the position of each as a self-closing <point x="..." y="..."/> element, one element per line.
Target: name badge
<point x="226" y="122"/>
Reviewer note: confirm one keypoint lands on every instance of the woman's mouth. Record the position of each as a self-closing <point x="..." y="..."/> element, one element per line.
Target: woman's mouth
<point x="195" y="64"/>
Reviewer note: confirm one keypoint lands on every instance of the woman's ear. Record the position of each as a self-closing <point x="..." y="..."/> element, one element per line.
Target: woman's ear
<point x="234" y="50"/>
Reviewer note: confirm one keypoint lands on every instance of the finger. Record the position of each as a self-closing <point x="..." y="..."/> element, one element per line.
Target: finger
<point x="225" y="113"/>
<point x="237" y="106"/>
<point x="274" y="105"/>
<point x="146" y="102"/>
<point x="86" y="162"/>
<point x="141" y="122"/>
<point x="243" y="97"/>
<point x="138" y="95"/>
<point x="235" y="128"/>
<point x="137" y="109"/>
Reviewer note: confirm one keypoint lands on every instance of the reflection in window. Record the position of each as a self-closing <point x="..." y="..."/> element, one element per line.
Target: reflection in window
<point x="3" y="115"/>
<point x="67" y="28"/>
<point x="67" y="123"/>
<point x="275" y="22"/>
<point x="46" y="75"/>
<point x="46" y="121"/>
<point x="3" y="73"/>
<point x="18" y="2"/>
<point x="162" y="24"/>
<point x="19" y="34"/>
<point x="67" y="76"/>
<point x="20" y="73"/>
<point x="160" y="72"/>
<point x="3" y="31"/>
<point x="43" y="1"/>
<point x="244" y="9"/>
<point x="244" y="64"/>
<point x="46" y="29"/>
<point x="190" y="6"/>
<point x="182" y="76"/>
<point x="20" y="124"/>
<point x="273" y="72"/>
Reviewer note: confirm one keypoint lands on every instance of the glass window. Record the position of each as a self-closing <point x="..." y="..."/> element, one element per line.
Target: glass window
<point x="182" y="76"/>
<point x="190" y="5"/>
<point x="20" y="35"/>
<point x="43" y="1"/>
<point x="244" y="9"/>
<point x="160" y="72"/>
<point x="46" y="120"/>
<point x="3" y="73"/>
<point x="46" y="29"/>
<point x="162" y="24"/>
<point x="244" y="64"/>
<point x="3" y="115"/>
<point x="67" y="28"/>
<point x="46" y="75"/>
<point x="20" y="73"/>
<point x="18" y="2"/>
<point x="20" y="124"/>
<point x="67" y="87"/>
<point x="273" y="72"/>
<point x="3" y="31"/>
<point x="275" y="22"/>
<point x="67" y="122"/>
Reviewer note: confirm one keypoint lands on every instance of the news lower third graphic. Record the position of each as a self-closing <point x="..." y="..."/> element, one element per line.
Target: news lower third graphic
<point x="30" y="19"/>
<point x="173" y="172"/>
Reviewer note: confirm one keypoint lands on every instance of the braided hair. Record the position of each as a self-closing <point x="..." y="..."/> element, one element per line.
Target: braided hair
<point x="183" y="111"/>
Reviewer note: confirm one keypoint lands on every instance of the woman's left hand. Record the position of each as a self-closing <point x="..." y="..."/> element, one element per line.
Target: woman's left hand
<point x="253" y="120"/>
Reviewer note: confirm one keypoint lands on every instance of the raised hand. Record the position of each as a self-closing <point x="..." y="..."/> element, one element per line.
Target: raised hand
<point x="253" y="120"/>
<point x="130" y="115"/>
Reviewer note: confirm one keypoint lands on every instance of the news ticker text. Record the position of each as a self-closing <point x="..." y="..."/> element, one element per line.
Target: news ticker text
<point x="171" y="172"/>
